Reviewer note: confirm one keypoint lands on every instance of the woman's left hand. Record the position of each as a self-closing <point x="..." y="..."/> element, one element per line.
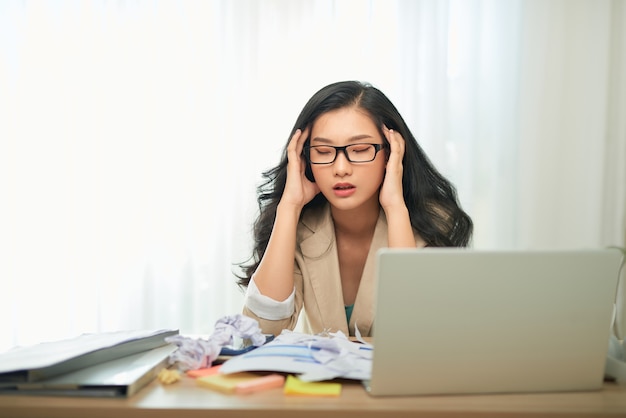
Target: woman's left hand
<point x="391" y="190"/>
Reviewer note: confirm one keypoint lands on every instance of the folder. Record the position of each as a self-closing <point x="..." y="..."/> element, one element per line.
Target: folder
<point x="50" y="359"/>
<point x="121" y="377"/>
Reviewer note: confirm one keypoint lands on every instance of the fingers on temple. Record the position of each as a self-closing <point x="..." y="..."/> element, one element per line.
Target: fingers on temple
<point x="297" y="140"/>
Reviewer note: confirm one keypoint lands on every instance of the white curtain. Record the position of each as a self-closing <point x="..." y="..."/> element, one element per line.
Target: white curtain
<point x="133" y="135"/>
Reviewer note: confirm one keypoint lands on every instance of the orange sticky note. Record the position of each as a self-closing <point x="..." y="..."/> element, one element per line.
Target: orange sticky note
<point x="204" y="372"/>
<point x="295" y="386"/>
<point x="241" y="383"/>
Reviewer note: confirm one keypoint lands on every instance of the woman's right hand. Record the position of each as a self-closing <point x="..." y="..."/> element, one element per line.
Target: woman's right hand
<point x="274" y="276"/>
<point x="299" y="190"/>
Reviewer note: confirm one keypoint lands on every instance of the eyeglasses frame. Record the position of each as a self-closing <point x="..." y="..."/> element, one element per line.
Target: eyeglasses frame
<point x="344" y="149"/>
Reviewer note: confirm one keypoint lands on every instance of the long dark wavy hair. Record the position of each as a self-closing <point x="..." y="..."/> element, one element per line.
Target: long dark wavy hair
<point x="430" y="198"/>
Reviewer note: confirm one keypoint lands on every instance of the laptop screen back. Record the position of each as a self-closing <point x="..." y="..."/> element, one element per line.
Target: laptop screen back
<point x="458" y="321"/>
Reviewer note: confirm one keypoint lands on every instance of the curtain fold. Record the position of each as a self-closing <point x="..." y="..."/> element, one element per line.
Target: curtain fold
<point x="133" y="135"/>
<point x="614" y="191"/>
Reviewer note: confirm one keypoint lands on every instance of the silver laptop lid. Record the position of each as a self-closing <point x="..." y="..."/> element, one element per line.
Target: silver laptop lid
<point x="457" y="321"/>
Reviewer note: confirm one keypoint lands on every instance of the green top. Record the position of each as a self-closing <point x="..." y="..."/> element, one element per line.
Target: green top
<point x="349" y="309"/>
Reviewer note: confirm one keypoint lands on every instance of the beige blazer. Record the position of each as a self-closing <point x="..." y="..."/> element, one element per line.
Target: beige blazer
<point x="318" y="283"/>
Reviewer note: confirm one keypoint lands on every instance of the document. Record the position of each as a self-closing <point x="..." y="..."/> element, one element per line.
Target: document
<point x="315" y="358"/>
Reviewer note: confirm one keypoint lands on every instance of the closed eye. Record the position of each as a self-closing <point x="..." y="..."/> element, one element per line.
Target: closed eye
<point x="322" y="150"/>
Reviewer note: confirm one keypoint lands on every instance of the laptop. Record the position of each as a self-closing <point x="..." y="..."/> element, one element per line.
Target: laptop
<point x="462" y="321"/>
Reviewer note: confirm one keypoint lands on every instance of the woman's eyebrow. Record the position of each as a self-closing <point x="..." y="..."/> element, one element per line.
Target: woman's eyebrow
<point x="319" y="139"/>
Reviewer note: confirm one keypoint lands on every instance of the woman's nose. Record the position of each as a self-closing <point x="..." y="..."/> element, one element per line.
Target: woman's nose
<point x="342" y="166"/>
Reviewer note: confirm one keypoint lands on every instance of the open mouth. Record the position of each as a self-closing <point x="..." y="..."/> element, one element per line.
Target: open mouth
<point x="344" y="189"/>
<point x="343" y="186"/>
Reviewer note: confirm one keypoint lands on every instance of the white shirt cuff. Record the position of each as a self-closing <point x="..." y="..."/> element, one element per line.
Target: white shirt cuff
<point x="266" y="307"/>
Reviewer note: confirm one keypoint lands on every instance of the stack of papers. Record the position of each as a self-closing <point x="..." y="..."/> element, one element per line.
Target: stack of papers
<point x="107" y="364"/>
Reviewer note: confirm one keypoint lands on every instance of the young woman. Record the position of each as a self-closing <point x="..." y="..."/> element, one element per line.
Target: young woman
<point x="352" y="179"/>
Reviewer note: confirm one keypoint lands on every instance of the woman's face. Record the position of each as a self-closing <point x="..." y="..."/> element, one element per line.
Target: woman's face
<point x="347" y="185"/>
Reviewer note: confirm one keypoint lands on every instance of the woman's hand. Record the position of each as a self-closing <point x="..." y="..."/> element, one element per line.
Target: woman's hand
<point x="399" y="232"/>
<point x="299" y="190"/>
<point x="391" y="195"/>
<point x="274" y="277"/>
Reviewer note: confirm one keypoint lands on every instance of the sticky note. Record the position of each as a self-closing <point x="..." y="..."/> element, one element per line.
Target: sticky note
<point x="260" y="383"/>
<point x="204" y="372"/>
<point x="240" y="383"/>
<point x="295" y="386"/>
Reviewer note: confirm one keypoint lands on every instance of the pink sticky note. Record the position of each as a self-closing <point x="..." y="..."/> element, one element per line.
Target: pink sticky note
<point x="262" y="383"/>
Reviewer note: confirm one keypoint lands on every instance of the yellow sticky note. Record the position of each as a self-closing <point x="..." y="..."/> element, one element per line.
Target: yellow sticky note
<point x="295" y="386"/>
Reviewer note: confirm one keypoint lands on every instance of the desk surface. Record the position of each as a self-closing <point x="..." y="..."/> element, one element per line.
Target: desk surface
<point x="185" y="399"/>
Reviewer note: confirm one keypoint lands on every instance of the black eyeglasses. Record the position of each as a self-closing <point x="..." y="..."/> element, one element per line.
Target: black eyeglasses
<point x="355" y="153"/>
